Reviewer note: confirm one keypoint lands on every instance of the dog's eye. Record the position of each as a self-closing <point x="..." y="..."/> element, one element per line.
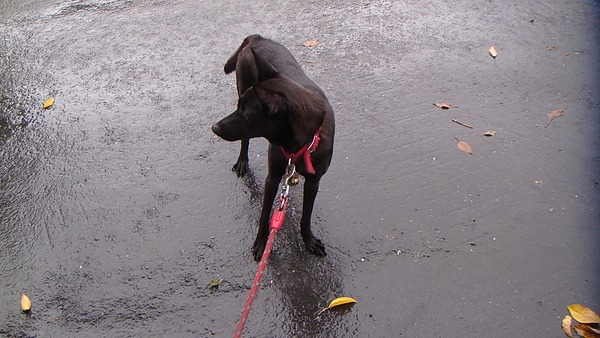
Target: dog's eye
<point x="251" y="109"/>
<point x="245" y="113"/>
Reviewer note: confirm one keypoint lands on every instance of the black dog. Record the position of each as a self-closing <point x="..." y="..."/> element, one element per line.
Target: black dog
<point x="279" y="102"/>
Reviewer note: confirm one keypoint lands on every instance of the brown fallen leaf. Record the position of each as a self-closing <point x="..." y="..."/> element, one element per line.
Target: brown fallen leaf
<point x="587" y="331"/>
<point x="567" y="326"/>
<point x="583" y="314"/>
<point x="310" y="43"/>
<point x="493" y="52"/>
<point x="552" y="115"/>
<point x="464" y="146"/>
<point x="444" y="105"/>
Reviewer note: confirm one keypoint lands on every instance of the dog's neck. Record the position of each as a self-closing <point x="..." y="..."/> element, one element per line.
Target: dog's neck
<point x="304" y="152"/>
<point x="296" y="143"/>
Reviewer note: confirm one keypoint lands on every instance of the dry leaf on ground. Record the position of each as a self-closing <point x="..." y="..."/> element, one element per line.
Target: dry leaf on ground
<point x="493" y="52"/>
<point x="25" y="303"/>
<point x="587" y="331"/>
<point x="552" y="115"/>
<point x="567" y="326"/>
<point x="310" y="43"/>
<point x="48" y="103"/>
<point x="444" y="105"/>
<point x="338" y="302"/>
<point x="464" y="146"/>
<point x="583" y="314"/>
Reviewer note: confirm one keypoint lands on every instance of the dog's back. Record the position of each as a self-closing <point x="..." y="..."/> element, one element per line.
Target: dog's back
<point x="242" y="61"/>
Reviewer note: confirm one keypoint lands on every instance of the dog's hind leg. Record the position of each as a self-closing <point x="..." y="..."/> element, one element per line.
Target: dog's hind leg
<point x="311" y="187"/>
<point x="241" y="166"/>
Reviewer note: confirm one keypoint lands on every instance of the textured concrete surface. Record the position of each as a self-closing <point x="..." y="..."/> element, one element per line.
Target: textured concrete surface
<point x="118" y="206"/>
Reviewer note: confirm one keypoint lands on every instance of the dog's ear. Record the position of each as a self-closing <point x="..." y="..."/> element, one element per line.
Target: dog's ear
<point x="265" y="70"/>
<point x="274" y="102"/>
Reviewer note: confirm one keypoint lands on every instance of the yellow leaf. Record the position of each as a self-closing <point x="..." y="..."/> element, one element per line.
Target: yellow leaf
<point x="587" y="331"/>
<point x="25" y="303"/>
<point x="567" y="326"/>
<point x="48" y="103"/>
<point x="311" y="43"/>
<point x="338" y="302"/>
<point x="493" y="52"/>
<point x="583" y="314"/>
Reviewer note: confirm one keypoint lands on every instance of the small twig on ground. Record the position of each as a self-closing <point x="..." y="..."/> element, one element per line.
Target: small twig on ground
<point x="462" y="124"/>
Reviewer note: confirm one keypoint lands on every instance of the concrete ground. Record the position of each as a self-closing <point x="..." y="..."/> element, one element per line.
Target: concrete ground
<point x="118" y="207"/>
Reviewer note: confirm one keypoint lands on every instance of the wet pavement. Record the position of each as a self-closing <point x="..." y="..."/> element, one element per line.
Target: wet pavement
<point x="118" y="206"/>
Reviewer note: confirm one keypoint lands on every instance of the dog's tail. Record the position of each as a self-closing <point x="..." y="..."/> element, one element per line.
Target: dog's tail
<point x="232" y="62"/>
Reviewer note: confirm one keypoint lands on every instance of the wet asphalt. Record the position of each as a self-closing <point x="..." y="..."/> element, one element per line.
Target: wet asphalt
<point x="118" y="207"/>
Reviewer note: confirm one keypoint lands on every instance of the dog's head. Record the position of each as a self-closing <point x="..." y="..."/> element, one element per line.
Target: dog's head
<point x="271" y="108"/>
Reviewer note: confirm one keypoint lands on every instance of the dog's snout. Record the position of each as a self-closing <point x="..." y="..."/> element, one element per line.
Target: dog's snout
<point x="216" y="128"/>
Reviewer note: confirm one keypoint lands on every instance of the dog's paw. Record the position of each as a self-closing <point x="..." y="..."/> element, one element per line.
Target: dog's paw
<point x="258" y="248"/>
<point x="257" y="252"/>
<point x="315" y="246"/>
<point x="240" y="168"/>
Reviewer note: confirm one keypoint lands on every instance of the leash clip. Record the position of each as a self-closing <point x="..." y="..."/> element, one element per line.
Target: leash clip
<point x="288" y="177"/>
<point x="290" y="171"/>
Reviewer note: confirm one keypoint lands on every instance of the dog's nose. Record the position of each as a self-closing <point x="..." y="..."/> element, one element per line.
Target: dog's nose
<point x="216" y="128"/>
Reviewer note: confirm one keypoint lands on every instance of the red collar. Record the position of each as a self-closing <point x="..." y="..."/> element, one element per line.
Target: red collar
<point x="305" y="152"/>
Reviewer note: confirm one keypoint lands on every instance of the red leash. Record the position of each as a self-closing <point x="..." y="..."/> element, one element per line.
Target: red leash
<point x="276" y="222"/>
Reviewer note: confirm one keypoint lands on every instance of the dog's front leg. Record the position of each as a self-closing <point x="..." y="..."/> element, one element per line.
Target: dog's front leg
<point x="311" y="187"/>
<point x="271" y="186"/>
<point x="241" y="166"/>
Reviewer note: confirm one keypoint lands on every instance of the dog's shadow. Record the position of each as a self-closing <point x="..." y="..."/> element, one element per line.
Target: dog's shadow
<point x="254" y="190"/>
<point x="307" y="283"/>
